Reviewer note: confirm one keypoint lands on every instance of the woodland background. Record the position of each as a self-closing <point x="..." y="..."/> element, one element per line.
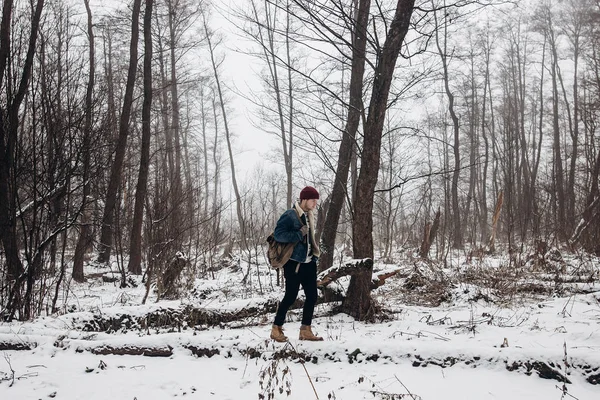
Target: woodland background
<point x="427" y="126"/>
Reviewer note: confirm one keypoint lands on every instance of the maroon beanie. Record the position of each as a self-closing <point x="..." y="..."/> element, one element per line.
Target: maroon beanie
<point x="308" y="193"/>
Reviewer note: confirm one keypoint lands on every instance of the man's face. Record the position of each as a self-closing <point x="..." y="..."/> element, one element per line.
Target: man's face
<point x="310" y="204"/>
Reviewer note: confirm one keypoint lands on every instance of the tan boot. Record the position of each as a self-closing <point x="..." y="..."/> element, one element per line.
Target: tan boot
<point x="277" y="334"/>
<point x="307" y="334"/>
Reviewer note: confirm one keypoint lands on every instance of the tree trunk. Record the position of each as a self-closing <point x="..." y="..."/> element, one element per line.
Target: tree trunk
<point x="483" y="222"/>
<point x="177" y="220"/>
<point x="236" y="191"/>
<point x="135" y="257"/>
<point x="9" y="123"/>
<point x="84" y="239"/>
<point x="359" y="302"/>
<point x="429" y="235"/>
<point x="496" y="216"/>
<point x="290" y="151"/>
<point x="558" y="171"/>
<point x="355" y="109"/>
<point x="110" y="205"/>
<point x="457" y="241"/>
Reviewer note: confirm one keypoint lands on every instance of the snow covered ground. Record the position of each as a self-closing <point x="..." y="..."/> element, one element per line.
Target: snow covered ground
<point x="471" y="346"/>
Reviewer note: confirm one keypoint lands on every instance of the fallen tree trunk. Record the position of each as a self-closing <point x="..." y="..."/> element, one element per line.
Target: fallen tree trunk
<point x="353" y="267"/>
<point x="11" y="344"/>
<point x="130" y="350"/>
<point x="174" y="319"/>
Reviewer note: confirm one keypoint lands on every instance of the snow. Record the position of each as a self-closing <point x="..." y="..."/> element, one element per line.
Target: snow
<point x="461" y="349"/>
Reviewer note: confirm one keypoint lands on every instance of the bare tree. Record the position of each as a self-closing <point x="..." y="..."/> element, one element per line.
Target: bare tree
<point x="238" y="197"/>
<point x="9" y="125"/>
<point x="9" y="122"/>
<point x="558" y="173"/>
<point x="268" y="30"/>
<point x="347" y="144"/>
<point x="135" y="257"/>
<point x="85" y="238"/>
<point x="358" y="302"/>
<point x="457" y="241"/>
<point x="108" y="218"/>
<point x="574" y="19"/>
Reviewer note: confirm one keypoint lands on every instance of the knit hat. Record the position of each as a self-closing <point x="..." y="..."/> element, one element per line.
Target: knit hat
<point x="308" y="193"/>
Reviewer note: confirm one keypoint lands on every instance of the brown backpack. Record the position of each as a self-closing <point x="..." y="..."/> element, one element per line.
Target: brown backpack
<point x="278" y="253"/>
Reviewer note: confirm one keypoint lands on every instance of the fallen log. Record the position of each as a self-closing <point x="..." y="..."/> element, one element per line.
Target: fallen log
<point x="174" y="319"/>
<point x="352" y="267"/>
<point x="382" y="276"/>
<point x="130" y="350"/>
<point x="8" y="344"/>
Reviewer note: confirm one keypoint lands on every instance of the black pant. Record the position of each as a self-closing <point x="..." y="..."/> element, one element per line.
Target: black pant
<point x="307" y="277"/>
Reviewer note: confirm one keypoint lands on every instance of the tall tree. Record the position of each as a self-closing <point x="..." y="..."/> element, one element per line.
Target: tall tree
<point x="558" y="173"/>
<point x="266" y="35"/>
<point x="9" y="125"/>
<point x="441" y="44"/>
<point x="175" y="125"/>
<point x="219" y="91"/>
<point x="358" y="302"/>
<point x="84" y="239"/>
<point x="116" y="171"/>
<point x="573" y="24"/>
<point x="135" y="257"/>
<point x="346" y="149"/>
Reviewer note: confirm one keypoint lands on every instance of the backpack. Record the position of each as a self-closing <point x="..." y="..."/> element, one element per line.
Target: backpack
<point x="278" y="253"/>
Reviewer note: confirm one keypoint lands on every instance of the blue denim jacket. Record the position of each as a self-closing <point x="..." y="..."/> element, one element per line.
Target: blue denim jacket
<point x="288" y="231"/>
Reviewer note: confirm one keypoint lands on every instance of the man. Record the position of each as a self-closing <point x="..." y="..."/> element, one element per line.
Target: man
<point x="296" y="225"/>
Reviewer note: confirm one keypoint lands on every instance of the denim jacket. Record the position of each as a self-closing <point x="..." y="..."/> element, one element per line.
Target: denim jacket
<point x="288" y="231"/>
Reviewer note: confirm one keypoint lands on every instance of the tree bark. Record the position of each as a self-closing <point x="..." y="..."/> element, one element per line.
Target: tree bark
<point x="359" y="302"/>
<point x="84" y="239"/>
<point x="457" y="241"/>
<point x="355" y="109"/>
<point x="429" y="235"/>
<point x="177" y="220"/>
<point x="496" y="216"/>
<point x="236" y="190"/>
<point x="135" y="257"/>
<point x="558" y="171"/>
<point x="110" y="205"/>
<point x="9" y="124"/>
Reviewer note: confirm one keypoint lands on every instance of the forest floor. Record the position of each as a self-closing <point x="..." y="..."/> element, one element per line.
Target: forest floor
<point x="470" y="329"/>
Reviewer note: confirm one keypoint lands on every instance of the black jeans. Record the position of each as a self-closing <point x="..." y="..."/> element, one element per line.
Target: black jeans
<point x="307" y="277"/>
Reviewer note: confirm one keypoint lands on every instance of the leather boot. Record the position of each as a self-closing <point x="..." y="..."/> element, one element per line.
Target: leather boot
<point x="307" y="334"/>
<point x="277" y="334"/>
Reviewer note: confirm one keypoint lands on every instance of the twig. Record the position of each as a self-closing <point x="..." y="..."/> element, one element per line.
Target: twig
<point x="305" y="370"/>
<point x="567" y="367"/>
<point x="12" y="371"/>
<point x="566" y="394"/>
<point x="421" y="334"/>
<point x="564" y="311"/>
<point x="407" y="391"/>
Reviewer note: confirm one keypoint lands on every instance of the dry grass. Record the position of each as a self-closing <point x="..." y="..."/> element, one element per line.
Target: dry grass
<point x="503" y="281"/>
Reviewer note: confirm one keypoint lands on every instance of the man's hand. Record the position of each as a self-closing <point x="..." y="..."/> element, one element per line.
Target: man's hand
<point x="304" y="230"/>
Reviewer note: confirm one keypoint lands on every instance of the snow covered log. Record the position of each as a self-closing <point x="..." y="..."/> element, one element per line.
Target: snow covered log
<point x="132" y="350"/>
<point x="353" y="267"/>
<point x="381" y="276"/>
<point x="175" y="319"/>
<point x="16" y="343"/>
